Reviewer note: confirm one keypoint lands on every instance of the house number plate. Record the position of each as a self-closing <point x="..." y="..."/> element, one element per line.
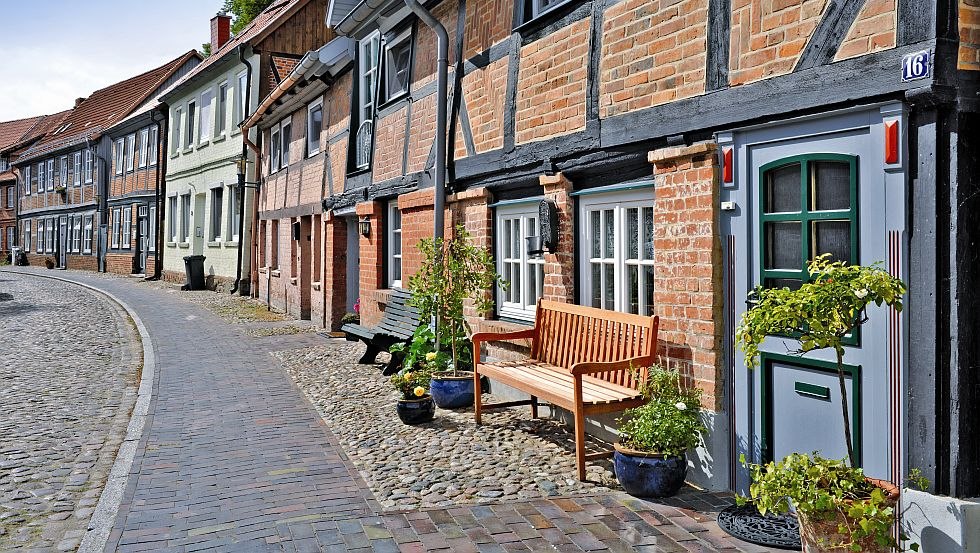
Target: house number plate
<point x="917" y="65"/>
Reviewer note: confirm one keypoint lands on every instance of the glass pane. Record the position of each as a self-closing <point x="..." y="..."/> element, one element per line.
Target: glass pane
<point x="831" y="185"/>
<point x="396" y="268"/>
<point x="648" y="290"/>
<point x="609" y="286"/>
<point x="833" y="237"/>
<point x="596" y="285"/>
<point x="632" y="233"/>
<point x="790" y="283"/>
<point x="784" y="249"/>
<point x="532" y="285"/>
<point x="539" y="288"/>
<point x="647" y="233"/>
<point x="596" y="234"/>
<point x="396" y="244"/>
<point x="515" y="244"/>
<point x="609" y="234"/>
<point x="506" y="253"/>
<point x="633" y="282"/>
<point x="515" y="282"/>
<point x="783" y="189"/>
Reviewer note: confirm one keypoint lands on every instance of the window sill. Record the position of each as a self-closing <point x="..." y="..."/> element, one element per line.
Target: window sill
<point x="203" y="144"/>
<point x="263" y="270"/>
<point x="188" y="150"/>
<point x="171" y="244"/>
<point x="220" y="138"/>
<point x="276" y="273"/>
<point x="215" y="244"/>
<point x="315" y="286"/>
<point x="183" y="244"/>
<point x="231" y="244"/>
<point x="293" y="280"/>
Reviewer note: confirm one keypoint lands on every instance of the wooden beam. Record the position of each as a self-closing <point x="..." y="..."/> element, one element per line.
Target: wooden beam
<point x="830" y="32"/>
<point x="719" y="44"/>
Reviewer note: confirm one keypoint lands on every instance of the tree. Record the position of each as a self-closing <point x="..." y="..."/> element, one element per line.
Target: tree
<point x="244" y="11"/>
<point x="206" y="49"/>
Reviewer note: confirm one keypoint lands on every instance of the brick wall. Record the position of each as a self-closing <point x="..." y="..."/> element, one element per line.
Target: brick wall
<point x="969" y="54"/>
<point x="121" y="264"/>
<point x="767" y="36"/>
<point x="487" y="23"/>
<point x="425" y="50"/>
<point x="559" y="266"/>
<point x="371" y="263"/>
<point x="873" y="30"/>
<point x="417" y="221"/>
<point x="652" y="53"/>
<point x="551" y="84"/>
<point x="335" y="269"/>
<point x="83" y="262"/>
<point x="687" y="277"/>
<point x="484" y="91"/>
<point x="423" y="132"/>
<point x="389" y="143"/>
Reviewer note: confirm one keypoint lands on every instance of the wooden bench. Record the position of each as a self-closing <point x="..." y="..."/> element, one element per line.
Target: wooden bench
<point x="397" y="325"/>
<point x="586" y="360"/>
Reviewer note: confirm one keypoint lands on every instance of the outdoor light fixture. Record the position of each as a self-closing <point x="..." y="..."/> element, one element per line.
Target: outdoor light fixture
<point x="364" y="226"/>
<point x="242" y="165"/>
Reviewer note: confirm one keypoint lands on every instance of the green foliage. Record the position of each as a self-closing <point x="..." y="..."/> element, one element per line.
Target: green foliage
<point x="917" y="480"/>
<point x="824" y="489"/>
<point x="453" y="270"/>
<point x="412" y="384"/>
<point x="350" y="318"/>
<point x="421" y="352"/>
<point x="670" y="422"/>
<point x="206" y="49"/>
<point x="244" y="11"/>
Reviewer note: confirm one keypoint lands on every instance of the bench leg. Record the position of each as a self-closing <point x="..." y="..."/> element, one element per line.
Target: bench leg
<point x="580" y="443"/>
<point x="477" y="395"/>
<point x="534" y="407"/>
<point x="370" y="355"/>
<point x="394" y="365"/>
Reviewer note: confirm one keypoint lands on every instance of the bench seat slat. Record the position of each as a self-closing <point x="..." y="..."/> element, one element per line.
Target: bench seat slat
<point x="555" y="382"/>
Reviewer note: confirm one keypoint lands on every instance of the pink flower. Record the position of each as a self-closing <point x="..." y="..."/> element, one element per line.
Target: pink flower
<point x="357" y="305"/>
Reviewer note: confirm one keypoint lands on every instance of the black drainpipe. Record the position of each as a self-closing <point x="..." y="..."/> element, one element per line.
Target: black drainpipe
<point x="241" y="177"/>
<point x="161" y="185"/>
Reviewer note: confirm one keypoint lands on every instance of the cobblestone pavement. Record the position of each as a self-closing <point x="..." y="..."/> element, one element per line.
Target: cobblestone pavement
<point x="235" y="458"/>
<point x="69" y="363"/>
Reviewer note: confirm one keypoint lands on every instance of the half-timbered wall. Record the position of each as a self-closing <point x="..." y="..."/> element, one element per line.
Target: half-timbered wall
<point x="969" y="27"/>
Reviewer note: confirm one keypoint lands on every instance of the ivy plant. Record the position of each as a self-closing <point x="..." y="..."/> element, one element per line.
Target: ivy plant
<point x="669" y="422"/>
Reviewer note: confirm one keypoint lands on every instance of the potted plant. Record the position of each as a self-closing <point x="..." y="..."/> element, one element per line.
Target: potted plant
<point x="838" y="507"/>
<point x="49" y="262"/>
<point x="650" y="458"/>
<point x="415" y="405"/>
<point x="61" y="190"/>
<point x="452" y="271"/>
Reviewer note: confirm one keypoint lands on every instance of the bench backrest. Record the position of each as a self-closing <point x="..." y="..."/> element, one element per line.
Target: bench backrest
<point x="399" y="318"/>
<point x="566" y="334"/>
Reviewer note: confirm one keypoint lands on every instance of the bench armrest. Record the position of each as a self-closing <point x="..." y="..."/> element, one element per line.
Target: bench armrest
<point x="497" y="336"/>
<point x="607" y="366"/>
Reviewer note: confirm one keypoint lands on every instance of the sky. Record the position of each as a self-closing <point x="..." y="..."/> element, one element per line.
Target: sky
<point x="53" y="51"/>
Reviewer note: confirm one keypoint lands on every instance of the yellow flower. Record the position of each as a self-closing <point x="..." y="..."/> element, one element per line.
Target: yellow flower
<point x="431" y="356"/>
<point x="419" y="391"/>
<point x="407" y="376"/>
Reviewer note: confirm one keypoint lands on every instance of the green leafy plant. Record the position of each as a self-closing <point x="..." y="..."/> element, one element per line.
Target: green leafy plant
<point x="420" y="351"/>
<point x="352" y="318"/>
<point x="669" y="422"/>
<point x="819" y="314"/>
<point x="412" y="384"/>
<point x="917" y="480"/>
<point x="453" y="271"/>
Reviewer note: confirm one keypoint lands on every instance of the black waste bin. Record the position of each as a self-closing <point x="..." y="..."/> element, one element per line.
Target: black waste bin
<point x="194" y="270"/>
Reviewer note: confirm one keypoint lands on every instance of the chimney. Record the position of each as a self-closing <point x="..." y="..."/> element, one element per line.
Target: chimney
<point x="78" y="101"/>
<point x="220" y="30"/>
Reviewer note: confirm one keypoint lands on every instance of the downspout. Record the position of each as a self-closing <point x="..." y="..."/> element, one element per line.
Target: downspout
<point x="241" y="177"/>
<point x="102" y="193"/>
<point x="163" y="135"/>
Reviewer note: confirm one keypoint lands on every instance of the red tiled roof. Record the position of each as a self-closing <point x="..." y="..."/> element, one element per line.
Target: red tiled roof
<point x="29" y="130"/>
<point x="104" y="107"/>
<point x="12" y="131"/>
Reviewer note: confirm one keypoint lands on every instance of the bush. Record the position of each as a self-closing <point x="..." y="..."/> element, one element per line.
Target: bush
<point x="670" y="422"/>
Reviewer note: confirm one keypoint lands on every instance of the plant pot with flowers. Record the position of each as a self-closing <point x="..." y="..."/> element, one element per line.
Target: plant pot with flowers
<point x="415" y="405"/>
<point x="650" y="458"/>
<point x="839" y="508"/>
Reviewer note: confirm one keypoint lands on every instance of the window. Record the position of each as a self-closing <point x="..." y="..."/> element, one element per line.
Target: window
<point x="191" y="117"/>
<point x="87" y="238"/>
<point x="175" y="133"/>
<point x="118" y="154"/>
<point x="172" y="219"/>
<point x="126" y="241"/>
<point x="4" y="164"/>
<point x="151" y="224"/>
<point x="40" y="177"/>
<point x="394" y="245"/>
<point x="185" y="217"/>
<point x="221" y="110"/>
<point x="144" y="146"/>
<point x="27" y="235"/>
<point x="63" y="171"/>
<point x="76" y="235"/>
<point x="27" y="180"/>
<point x="217" y="202"/>
<point x="88" y="166"/>
<point x="233" y="213"/>
<point x="10" y="197"/>
<point x="617" y="251"/>
<point x="536" y="8"/>
<point x="367" y="60"/>
<point x="77" y="168"/>
<point x="242" y="92"/>
<point x="40" y="236"/>
<point x="398" y="64"/>
<point x="49" y="178"/>
<point x="49" y="236"/>
<point x="286" y="134"/>
<point x="116" y="227"/>
<point x="204" y="131"/>
<point x="153" y="145"/>
<point x="524" y="273"/>
<point x="130" y="151"/>
<point x="809" y="207"/>
<point x="314" y="127"/>
<point x="274" y="144"/>
<point x="274" y="250"/>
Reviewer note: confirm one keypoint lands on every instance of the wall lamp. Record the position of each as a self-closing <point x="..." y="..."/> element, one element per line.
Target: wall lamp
<point x="364" y="226"/>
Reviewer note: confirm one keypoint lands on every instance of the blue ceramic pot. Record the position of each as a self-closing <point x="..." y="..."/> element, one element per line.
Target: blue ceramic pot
<point x="416" y="411"/>
<point x="452" y="392"/>
<point x="647" y="474"/>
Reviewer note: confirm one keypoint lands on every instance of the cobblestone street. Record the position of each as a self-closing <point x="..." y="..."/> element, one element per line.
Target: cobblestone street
<point x="233" y="457"/>
<point x="69" y="365"/>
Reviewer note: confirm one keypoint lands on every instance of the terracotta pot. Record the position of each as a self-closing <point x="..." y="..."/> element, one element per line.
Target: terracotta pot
<point x="820" y="534"/>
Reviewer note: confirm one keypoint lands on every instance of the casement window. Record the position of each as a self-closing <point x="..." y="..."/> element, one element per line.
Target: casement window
<point x="809" y="208"/>
<point x="49" y="236"/>
<point x="217" y="203"/>
<point x="49" y="179"/>
<point x="144" y="146"/>
<point x="275" y="145"/>
<point x="274" y="246"/>
<point x="153" y="145"/>
<point x="88" y="166"/>
<point x="4" y="164"/>
<point x="367" y="63"/>
<point x="314" y="127"/>
<point x="130" y="152"/>
<point x="175" y="132"/>
<point x="279" y="138"/>
<point x="40" y="177"/>
<point x="27" y="180"/>
<point x="87" y="236"/>
<point x="76" y="166"/>
<point x="525" y="274"/>
<point x="27" y="235"/>
<point x="126" y="241"/>
<point x="10" y="197"/>
<point x="10" y="238"/>
<point x="172" y="219"/>
<point x="191" y="120"/>
<point x="394" y="236"/>
<point x="204" y="130"/>
<point x="398" y="65"/>
<point x="151" y="225"/>
<point x="532" y="9"/>
<point x="221" y="110"/>
<point x="76" y="235"/>
<point x="286" y="135"/>
<point x="119" y="155"/>
<point x="116" y="226"/>
<point x="242" y="93"/>
<point x="185" y="217"/>
<point x="63" y="171"/>
<point x="616" y="251"/>
<point x="233" y="213"/>
<point x="39" y="247"/>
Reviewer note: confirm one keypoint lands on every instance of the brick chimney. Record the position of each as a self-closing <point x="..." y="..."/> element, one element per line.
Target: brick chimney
<point x="220" y="31"/>
<point x="78" y="101"/>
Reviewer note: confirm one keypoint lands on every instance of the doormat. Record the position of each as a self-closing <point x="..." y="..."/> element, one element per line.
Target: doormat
<point x="745" y="523"/>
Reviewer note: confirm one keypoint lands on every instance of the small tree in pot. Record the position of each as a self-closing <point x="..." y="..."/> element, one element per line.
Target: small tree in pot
<point x="838" y="507"/>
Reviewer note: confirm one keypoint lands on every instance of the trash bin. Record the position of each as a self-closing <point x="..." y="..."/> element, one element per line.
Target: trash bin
<point x="12" y="256"/>
<point x="194" y="270"/>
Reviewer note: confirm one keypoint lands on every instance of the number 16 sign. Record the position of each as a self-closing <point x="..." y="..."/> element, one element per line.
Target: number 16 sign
<point x="917" y="65"/>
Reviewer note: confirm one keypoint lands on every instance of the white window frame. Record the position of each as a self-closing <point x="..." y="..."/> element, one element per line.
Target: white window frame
<point x="175" y="134"/>
<point x="126" y="242"/>
<point x="394" y="235"/>
<point x="76" y="234"/>
<point x="10" y="197"/>
<point x="27" y="180"/>
<point x="89" y="162"/>
<point x="367" y="63"/>
<point x="217" y="213"/>
<point x="172" y="219"/>
<point x="617" y="203"/>
<point x="233" y="212"/>
<point x="76" y="176"/>
<point x="63" y="171"/>
<point x="285" y="135"/>
<point x="205" y="119"/>
<point x="185" y="217"/>
<point x="275" y="149"/>
<point x="519" y="301"/>
<point x="191" y="122"/>
<point x="118" y="155"/>
<point x="116" y="227"/>
<point x="154" y="145"/>
<point x="87" y="236"/>
<point x="49" y="235"/>
<point x="144" y="146"/>
<point x="242" y="84"/>
<point x="49" y="184"/>
<point x="27" y="235"/>
<point x="40" y="235"/>
<point x="151" y="225"/>
<point x="130" y="152"/>
<point x="312" y="150"/>
<point x="40" y="177"/>
<point x="403" y="38"/>
<point x="221" y="110"/>
<point x="541" y="7"/>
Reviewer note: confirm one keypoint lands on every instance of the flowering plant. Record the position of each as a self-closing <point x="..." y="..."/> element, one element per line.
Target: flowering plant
<point x="412" y="384"/>
<point x="670" y="421"/>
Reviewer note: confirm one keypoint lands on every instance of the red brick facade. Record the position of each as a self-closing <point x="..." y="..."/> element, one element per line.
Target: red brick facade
<point x="768" y="36"/>
<point x="969" y="27"/>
